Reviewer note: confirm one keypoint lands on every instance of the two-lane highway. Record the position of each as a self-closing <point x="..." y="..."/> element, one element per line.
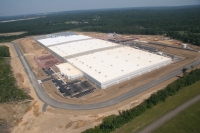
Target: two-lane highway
<point x="47" y="100"/>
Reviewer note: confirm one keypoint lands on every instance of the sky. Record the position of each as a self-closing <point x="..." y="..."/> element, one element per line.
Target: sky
<point x="18" y="7"/>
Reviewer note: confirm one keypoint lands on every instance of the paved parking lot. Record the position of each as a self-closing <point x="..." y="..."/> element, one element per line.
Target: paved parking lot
<point x="146" y="48"/>
<point x="75" y="88"/>
<point x="142" y="47"/>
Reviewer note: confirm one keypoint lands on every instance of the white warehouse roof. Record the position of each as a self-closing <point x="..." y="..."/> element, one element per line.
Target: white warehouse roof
<point x="103" y="67"/>
<point x="72" y="48"/>
<point x="109" y="65"/>
<point x="62" y="39"/>
<point x="69" y="71"/>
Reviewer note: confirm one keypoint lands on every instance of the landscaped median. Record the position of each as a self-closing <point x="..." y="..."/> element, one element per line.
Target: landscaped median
<point x="158" y="104"/>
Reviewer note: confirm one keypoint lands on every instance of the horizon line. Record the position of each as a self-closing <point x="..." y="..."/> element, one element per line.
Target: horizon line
<point x="44" y="13"/>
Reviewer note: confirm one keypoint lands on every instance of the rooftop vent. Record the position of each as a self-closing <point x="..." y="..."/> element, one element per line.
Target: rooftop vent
<point x="99" y="72"/>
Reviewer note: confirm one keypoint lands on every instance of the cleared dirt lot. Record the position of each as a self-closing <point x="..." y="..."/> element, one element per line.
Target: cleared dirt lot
<point x="62" y="121"/>
<point x="13" y="113"/>
<point x="30" y="49"/>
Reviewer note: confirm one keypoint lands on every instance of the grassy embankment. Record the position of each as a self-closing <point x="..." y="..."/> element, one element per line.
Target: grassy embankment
<point x="170" y="103"/>
<point x="187" y="121"/>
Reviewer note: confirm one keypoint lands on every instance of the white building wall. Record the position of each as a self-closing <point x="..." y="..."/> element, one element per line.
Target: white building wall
<point x="131" y="75"/>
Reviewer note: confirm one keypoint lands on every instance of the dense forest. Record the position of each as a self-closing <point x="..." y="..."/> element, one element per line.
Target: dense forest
<point x="9" y="90"/>
<point x="181" y="23"/>
<point x="112" y="122"/>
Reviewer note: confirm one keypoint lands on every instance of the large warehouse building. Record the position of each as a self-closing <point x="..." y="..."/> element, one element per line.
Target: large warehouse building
<point x="104" y="63"/>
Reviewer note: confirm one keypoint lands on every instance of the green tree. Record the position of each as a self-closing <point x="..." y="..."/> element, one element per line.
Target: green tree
<point x="184" y="70"/>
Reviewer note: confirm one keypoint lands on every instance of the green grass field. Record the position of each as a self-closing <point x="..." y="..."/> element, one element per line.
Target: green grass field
<point x="170" y="103"/>
<point x="187" y="121"/>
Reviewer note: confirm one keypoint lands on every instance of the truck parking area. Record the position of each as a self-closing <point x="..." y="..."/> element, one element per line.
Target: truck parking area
<point x="73" y="89"/>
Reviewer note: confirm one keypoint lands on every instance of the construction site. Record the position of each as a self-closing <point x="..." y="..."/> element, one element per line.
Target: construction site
<point x="78" y="65"/>
<point x="65" y="78"/>
<point x="102" y="62"/>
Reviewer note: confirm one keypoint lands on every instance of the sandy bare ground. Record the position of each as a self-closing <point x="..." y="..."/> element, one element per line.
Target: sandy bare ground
<point x="13" y="112"/>
<point x="12" y="33"/>
<point x="62" y="121"/>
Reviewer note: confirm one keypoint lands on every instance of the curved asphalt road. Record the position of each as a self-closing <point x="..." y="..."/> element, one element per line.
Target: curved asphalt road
<point x="159" y="122"/>
<point x="46" y="99"/>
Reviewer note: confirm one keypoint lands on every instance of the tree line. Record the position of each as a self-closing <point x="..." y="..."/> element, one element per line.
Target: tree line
<point x="181" y="23"/>
<point x="113" y="122"/>
<point x="8" y="88"/>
